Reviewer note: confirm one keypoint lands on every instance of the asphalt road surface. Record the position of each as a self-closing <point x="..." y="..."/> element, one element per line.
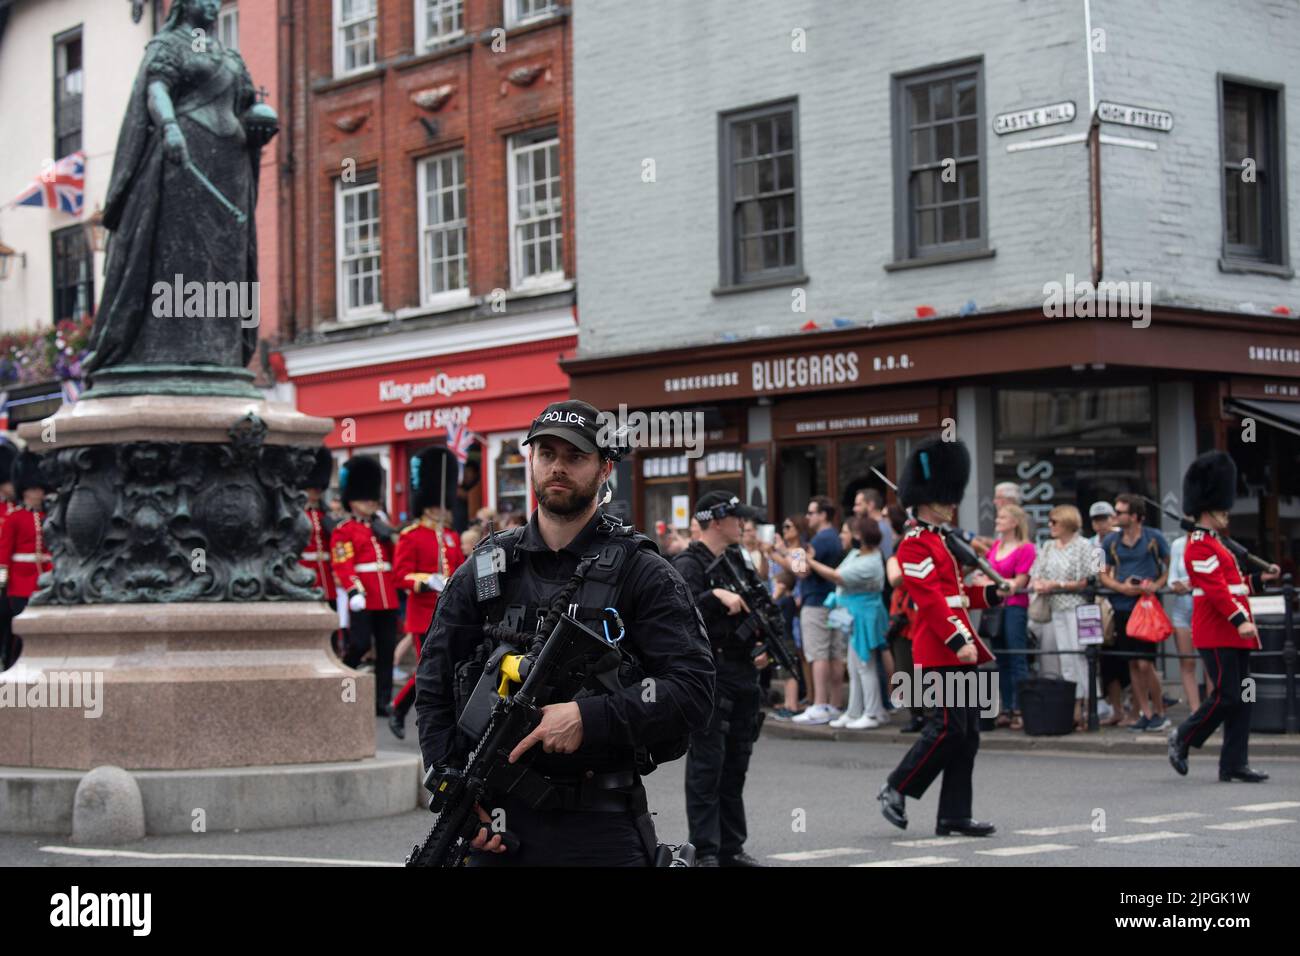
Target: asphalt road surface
<point x="812" y="803"/>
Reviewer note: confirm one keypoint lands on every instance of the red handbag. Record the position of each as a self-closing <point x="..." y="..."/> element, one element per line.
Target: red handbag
<point x="1148" y="621"/>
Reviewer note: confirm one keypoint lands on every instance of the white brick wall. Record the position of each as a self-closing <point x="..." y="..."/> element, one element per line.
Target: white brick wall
<point x="1163" y="210"/>
<point x="649" y="251"/>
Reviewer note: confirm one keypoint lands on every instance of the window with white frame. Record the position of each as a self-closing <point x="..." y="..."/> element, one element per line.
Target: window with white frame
<point x="356" y="26"/>
<point x="228" y="26"/>
<point x="536" y="203"/>
<point x="357" y="247"/>
<point x="438" y="22"/>
<point x="519" y="12"/>
<point x="445" y="256"/>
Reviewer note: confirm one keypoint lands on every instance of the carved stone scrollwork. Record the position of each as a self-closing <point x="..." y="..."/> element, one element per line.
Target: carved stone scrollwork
<point x="433" y="98"/>
<point x="165" y="522"/>
<point x="525" y="75"/>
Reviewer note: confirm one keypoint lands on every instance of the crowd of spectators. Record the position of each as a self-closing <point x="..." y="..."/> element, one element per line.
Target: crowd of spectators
<point x="831" y="580"/>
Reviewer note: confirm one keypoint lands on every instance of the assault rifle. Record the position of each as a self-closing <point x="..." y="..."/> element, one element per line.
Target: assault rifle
<point x="765" y="623"/>
<point x="551" y="669"/>
<point x="1237" y="549"/>
<point x="960" y="548"/>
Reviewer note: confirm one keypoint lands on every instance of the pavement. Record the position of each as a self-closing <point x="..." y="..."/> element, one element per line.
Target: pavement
<point x="811" y="802"/>
<point x="1106" y="740"/>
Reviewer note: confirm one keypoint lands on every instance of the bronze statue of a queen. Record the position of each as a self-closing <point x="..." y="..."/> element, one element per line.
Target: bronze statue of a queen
<point x="182" y="259"/>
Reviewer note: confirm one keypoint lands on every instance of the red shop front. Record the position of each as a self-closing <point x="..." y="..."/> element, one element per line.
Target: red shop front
<point x="397" y="409"/>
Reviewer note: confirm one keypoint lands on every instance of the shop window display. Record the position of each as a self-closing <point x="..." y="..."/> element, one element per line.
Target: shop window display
<point x="1074" y="446"/>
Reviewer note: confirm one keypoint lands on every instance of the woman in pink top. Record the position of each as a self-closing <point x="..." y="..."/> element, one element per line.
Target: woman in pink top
<point x="1012" y="557"/>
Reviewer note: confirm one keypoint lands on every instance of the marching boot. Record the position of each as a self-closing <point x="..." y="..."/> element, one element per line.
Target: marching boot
<point x="1177" y="753"/>
<point x="892" y="806"/>
<point x="1244" y="774"/>
<point x="966" y="827"/>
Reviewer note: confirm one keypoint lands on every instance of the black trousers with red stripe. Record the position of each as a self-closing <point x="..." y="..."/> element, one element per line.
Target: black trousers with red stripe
<point x="1227" y="667"/>
<point x="950" y="738"/>
<point x="405" y="698"/>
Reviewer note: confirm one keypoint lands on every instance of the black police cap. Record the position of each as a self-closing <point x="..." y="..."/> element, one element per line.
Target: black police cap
<point x="719" y="504"/>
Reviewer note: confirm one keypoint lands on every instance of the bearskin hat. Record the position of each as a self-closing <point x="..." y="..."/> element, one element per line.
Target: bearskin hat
<point x="7" y="455"/>
<point x="26" y="472"/>
<point x="321" y="470"/>
<point x="432" y="470"/>
<point x="1210" y="484"/>
<point x="936" y="473"/>
<point x="361" y="478"/>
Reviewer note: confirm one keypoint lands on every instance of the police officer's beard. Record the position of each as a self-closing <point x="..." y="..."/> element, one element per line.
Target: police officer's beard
<point x="566" y="503"/>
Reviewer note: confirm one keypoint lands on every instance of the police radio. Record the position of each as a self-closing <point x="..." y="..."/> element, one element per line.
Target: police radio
<point x="488" y="564"/>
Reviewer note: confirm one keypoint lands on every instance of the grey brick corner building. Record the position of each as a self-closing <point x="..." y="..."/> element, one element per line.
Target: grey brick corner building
<point x="832" y="225"/>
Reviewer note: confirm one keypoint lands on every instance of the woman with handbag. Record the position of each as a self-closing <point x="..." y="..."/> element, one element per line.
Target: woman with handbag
<point x="1012" y="557"/>
<point x="1059" y="575"/>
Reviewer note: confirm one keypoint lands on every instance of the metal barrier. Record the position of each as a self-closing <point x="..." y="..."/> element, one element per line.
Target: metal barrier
<point x="1094" y="652"/>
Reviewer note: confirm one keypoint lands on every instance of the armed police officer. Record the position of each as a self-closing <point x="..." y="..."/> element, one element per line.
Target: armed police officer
<point x="582" y="801"/>
<point x="719" y="753"/>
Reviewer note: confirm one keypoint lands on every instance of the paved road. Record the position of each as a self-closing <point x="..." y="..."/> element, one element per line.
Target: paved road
<point x="1050" y="810"/>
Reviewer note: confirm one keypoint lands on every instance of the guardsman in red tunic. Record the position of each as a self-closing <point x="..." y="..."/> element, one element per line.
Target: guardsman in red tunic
<point x="363" y="564"/>
<point x="428" y="553"/>
<point x="7" y="507"/>
<point x="1223" y="630"/>
<point x="316" y="556"/>
<point x="944" y="643"/>
<point x="23" y="554"/>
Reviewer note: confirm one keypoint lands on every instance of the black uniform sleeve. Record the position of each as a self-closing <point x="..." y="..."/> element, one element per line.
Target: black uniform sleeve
<point x="457" y="628"/>
<point x="691" y="570"/>
<point x="666" y="633"/>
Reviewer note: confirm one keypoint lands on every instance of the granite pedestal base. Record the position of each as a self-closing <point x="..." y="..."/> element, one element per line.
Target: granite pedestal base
<point x="221" y="800"/>
<point x="182" y="686"/>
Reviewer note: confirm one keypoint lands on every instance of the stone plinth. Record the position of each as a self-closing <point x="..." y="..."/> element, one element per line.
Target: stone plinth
<point x="184" y="685"/>
<point x="242" y="798"/>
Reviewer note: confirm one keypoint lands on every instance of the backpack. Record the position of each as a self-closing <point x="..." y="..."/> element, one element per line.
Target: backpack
<point x="1152" y="548"/>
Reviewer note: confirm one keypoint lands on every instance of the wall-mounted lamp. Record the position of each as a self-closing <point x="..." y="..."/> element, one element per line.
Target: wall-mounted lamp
<point x="7" y="257"/>
<point x="96" y="232"/>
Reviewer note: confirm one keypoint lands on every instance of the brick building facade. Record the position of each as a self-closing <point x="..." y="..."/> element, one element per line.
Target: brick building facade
<point x="429" y="254"/>
<point x="830" y="227"/>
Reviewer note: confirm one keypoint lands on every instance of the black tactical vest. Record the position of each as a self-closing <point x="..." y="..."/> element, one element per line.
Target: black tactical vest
<point x="525" y="600"/>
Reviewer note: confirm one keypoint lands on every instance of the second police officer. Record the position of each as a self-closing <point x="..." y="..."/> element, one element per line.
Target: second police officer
<point x="718" y="759"/>
<point x="586" y="804"/>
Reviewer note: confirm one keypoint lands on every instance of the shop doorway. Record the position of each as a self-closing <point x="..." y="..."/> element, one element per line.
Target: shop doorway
<point x="854" y="460"/>
<point x="1266" y="517"/>
<point x="839" y="468"/>
<point x="803" y="472"/>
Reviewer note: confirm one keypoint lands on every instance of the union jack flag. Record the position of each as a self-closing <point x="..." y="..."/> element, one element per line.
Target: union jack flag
<point x="62" y="188"/>
<point x="459" y="438"/>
